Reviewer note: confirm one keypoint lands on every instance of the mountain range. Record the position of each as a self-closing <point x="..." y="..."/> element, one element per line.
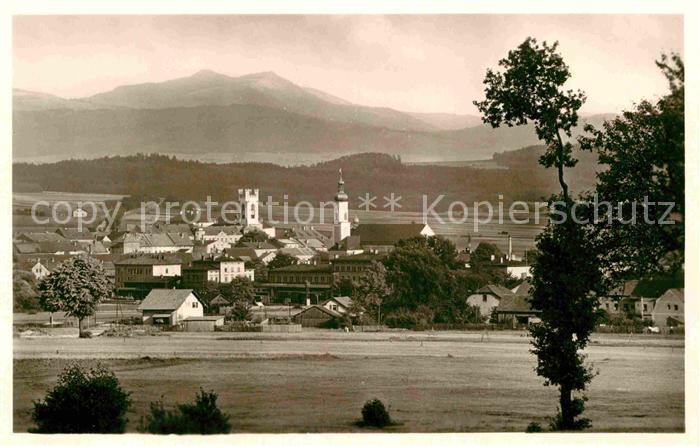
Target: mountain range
<point x="210" y="112"/>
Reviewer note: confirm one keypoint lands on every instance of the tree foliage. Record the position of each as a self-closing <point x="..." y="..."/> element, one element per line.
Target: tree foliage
<point x="75" y="287"/>
<point x="282" y="260"/>
<point x="566" y="272"/>
<point x="24" y="294"/>
<point x="252" y="236"/>
<point x="241" y="294"/>
<point x="370" y="291"/>
<point x="643" y="151"/>
<point x="375" y="414"/>
<point x="201" y="417"/>
<point x="83" y="401"/>
<point x="531" y="90"/>
<point x="441" y="247"/>
<point x="429" y="286"/>
<point x="417" y="276"/>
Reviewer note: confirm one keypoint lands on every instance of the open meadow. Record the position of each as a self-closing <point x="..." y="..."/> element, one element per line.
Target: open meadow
<point x="317" y="381"/>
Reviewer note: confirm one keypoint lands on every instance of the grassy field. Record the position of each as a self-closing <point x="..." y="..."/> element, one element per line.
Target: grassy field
<point x="317" y="381"/>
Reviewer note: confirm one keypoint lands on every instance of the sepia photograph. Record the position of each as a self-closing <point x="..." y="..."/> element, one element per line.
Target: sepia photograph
<point x="299" y="222"/>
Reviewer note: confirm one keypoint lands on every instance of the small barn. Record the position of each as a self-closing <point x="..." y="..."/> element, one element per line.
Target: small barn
<point x="203" y="324"/>
<point x="318" y="316"/>
<point x="217" y="303"/>
<point x="170" y="306"/>
<point x="515" y="310"/>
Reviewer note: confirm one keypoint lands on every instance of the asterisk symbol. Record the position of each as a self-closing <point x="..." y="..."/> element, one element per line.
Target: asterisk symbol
<point x="392" y="202"/>
<point x="367" y="201"/>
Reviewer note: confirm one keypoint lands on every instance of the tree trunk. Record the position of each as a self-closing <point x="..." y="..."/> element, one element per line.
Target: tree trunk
<point x="81" y="334"/>
<point x="567" y="413"/>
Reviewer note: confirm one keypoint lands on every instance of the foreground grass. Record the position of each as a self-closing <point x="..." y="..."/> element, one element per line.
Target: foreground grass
<point x="492" y="388"/>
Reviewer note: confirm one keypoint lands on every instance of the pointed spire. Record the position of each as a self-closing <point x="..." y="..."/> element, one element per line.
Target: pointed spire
<point x="341" y="196"/>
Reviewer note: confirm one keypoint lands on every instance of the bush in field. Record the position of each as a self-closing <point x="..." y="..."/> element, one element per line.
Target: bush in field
<point x="83" y="402"/>
<point x="422" y="316"/>
<point x="533" y="427"/>
<point x="201" y="417"/>
<point x="374" y="414"/>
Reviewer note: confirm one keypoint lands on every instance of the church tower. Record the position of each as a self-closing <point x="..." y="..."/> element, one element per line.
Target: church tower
<point x="248" y="202"/>
<point x="341" y="220"/>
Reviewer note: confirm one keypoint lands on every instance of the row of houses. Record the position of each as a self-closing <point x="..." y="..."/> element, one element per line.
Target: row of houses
<point x="182" y="307"/>
<point x="662" y="305"/>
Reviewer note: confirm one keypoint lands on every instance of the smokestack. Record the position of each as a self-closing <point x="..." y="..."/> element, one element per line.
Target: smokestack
<point x="510" y="247"/>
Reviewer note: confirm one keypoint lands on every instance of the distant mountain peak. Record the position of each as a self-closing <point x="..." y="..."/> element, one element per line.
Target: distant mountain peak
<point x="207" y="74"/>
<point x="22" y="92"/>
<point x="264" y="74"/>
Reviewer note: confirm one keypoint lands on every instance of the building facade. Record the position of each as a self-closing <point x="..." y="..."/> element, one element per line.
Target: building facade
<point x="297" y="283"/>
<point x="136" y="276"/>
<point x="222" y="270"/>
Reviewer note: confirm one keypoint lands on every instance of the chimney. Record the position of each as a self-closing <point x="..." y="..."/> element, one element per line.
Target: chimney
<point x="510" y="247"/>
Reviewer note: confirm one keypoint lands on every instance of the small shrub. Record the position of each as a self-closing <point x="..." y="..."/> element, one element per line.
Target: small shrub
<point x="374" y="414"/>
<point x="83" y="402"/>
<point x="201" y="417"/>
<point x="533" y="427"/>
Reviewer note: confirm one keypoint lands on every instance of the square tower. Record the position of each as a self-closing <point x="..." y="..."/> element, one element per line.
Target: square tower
<point x="248" y="200"/>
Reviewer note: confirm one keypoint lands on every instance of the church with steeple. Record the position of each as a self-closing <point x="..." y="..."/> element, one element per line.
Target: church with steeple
<point x="341" y="219"/>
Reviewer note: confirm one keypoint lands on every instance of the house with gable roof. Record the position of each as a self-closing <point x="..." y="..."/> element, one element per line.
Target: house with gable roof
<point x="170" y="306"/>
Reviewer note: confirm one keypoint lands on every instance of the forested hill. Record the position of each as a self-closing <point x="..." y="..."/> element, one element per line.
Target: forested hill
<point x="373" y="173"/>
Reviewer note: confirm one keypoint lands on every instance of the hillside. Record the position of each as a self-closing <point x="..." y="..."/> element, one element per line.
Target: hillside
<point x="376" y="174"/>
<point x="233" y="129"/>
<point x="259" y="113"/>
<point x="25" y="100"/>
<point x="206" y="88"/>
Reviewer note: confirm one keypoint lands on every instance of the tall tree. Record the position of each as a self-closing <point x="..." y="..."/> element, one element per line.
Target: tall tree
<point x="239" y="289"/>
<point x="442" y="247"/>
<point x="371" y="290"/>
<point x="417" y="277"/>
<point x="530" y="89"/>
<point x="75" y="287"/>
<point x="241" y="295"/>
<point x="643" y="152"/>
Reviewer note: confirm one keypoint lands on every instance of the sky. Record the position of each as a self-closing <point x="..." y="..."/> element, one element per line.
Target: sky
<point x="416" y="63"/>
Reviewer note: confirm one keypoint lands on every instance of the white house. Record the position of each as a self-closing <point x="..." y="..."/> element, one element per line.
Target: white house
<point x="340" y="304"/>
<point x="519" y="271"/>
<point x="40" y="270"/>
<point x="488" y="298"/>
<point x="170" y="306"/>
<point x="303" y="255"/>
<point x="215" y="246"/>
<point x="669" y="309"/>
<point x="227" y="234"/>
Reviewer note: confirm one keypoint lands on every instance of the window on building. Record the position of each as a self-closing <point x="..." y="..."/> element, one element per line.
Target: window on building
<point x="195" y="304"/>
<point x="615" y="306"/>
<point x="675" y="307"/>
<point x="669" y="306"/>
<point x="485" y="298"/>
<point x="645" y="308"/>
